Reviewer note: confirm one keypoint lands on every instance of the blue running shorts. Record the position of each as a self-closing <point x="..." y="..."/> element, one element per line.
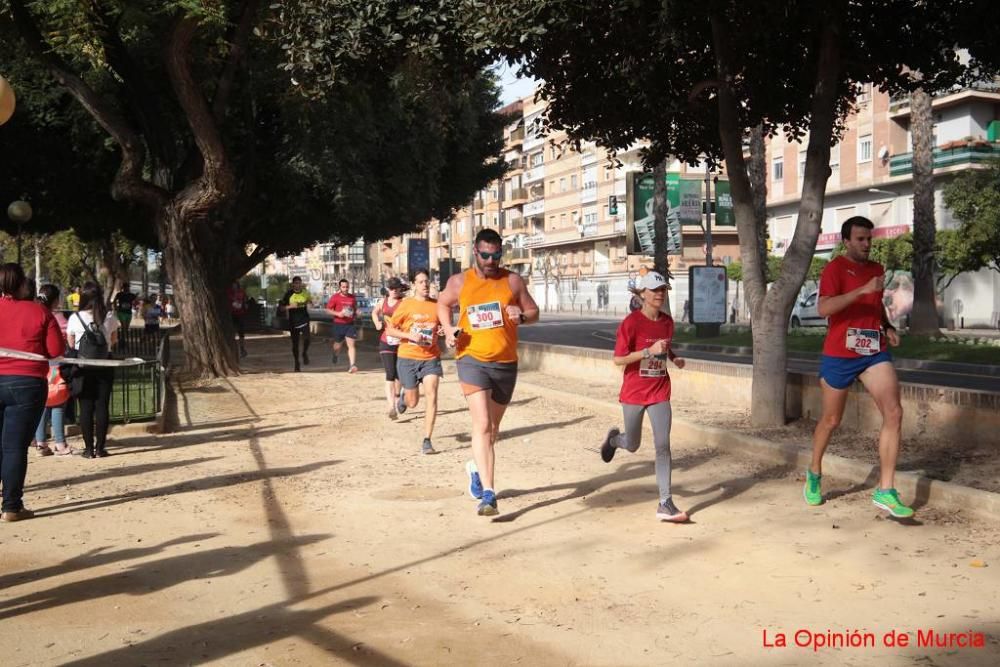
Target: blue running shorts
<point x="841" y="372"/>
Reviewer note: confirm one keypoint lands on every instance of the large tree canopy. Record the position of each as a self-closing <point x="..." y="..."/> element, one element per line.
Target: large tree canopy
<point x="220" y="151"/>
<point x="696" y="79"/>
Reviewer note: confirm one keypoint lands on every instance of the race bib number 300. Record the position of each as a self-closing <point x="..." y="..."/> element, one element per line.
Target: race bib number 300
<point x="863" y="341"/>
<point x="485" y="316"/>
<point x="652" y="368"/>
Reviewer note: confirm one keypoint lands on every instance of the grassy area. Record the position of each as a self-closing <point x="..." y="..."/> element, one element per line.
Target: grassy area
<point x="138" y="396"/>
<point x="911" y="347"/>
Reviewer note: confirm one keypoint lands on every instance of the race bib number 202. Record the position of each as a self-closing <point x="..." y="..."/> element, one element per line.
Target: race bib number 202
<point x="485" y="316"/>
<point x="863" y="341"/>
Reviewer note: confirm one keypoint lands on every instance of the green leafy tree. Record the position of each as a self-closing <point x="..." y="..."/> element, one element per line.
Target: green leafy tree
<point x="734" y="271"/>
<point x="224" y="160"/>
<point x="696" y="79"/>
<point x="974" y="199"/>
<point x="816" y="266"/>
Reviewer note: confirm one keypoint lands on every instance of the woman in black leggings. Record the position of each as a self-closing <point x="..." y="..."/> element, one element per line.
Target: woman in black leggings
<point x="94" y="389"/>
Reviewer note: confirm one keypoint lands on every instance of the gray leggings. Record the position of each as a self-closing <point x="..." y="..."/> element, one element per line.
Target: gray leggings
<point x="660" y="416"/>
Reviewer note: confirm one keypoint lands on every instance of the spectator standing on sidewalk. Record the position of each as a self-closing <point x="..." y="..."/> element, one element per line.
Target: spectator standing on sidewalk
<point x="73" y="300"/>
<point x="152" y="313"/>
<point x="28" y="327"/>
<point x="93" y="332"/>
<point x="58" y="390"/>
<point x="169" y="310"/>
<point x="642" y="346"/>
<point x="237" y="298"/>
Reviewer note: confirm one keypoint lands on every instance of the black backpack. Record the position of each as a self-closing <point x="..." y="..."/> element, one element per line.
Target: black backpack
<point x="93" y="342"/>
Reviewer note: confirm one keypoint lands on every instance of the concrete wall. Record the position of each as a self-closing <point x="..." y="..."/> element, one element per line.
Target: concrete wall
<point x="927" y="411"/>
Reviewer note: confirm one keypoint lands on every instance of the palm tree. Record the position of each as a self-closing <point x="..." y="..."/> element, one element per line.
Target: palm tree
<point x="924" y="317"/>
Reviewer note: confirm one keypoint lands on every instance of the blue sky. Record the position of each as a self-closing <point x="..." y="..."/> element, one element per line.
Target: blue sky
<point x="513" y="86"/>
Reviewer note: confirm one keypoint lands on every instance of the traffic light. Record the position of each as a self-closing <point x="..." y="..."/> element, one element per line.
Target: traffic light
<point x="613" y="205"/>
<point x="770" y="245"/>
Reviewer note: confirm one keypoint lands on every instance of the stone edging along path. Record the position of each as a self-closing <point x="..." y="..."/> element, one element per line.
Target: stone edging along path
<point x="924" y="490"/>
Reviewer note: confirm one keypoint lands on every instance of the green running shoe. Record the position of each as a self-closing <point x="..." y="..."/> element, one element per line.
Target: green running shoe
<point x="888" y="499"/>
<point x="811" y="491"/>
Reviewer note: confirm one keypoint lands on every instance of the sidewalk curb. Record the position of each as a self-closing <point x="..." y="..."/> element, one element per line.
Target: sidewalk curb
<point x="923" y="490"/>
<point x="903" y="363"/>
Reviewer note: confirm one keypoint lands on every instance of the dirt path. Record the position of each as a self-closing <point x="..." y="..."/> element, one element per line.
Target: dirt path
<point x="290" y="523"/>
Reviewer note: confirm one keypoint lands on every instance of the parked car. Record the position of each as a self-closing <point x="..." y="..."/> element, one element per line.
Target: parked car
<point x="365" y="305"/>
<point x="805" y="313"/>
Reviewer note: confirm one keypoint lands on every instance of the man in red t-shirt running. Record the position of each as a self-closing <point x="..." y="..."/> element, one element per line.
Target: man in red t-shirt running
<point x="850" y="297"/>
<point x="642" y="346"/>
<point x="343" y="306"/>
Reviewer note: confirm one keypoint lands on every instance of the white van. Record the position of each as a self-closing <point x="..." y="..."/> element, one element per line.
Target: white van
<point x="805" y="313"/>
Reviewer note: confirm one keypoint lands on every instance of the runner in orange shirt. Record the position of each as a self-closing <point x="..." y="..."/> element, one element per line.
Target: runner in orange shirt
<point x="418" y="359"/>
<point x="493" y="302"/>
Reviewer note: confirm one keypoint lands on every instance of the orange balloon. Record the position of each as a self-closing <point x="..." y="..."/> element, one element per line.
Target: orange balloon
<point x="7" y="101"/>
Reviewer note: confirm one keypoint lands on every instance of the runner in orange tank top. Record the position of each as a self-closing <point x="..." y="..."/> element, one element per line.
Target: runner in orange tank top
<point x="493" y="302"/>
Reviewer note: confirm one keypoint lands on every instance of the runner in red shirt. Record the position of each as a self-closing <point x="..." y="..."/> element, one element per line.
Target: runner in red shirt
<point x="343" y="306"/>
<point x="642" y="346"/>
<point x="850" y="296"/>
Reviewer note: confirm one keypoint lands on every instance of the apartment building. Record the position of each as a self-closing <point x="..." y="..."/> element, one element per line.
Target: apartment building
<point x="562" y="214"/>
<point x="325" y="264"/>
<point x="872" y="176"/>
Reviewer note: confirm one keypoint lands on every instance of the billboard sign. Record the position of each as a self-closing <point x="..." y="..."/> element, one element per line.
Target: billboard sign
<point x="417" y="254"/>
<point x="709" y="288"/>
<point x="724" y="216"/>
<point x="639" y="230"/>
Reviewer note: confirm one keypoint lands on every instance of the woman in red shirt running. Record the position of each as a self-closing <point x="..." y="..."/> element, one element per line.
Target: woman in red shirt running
<point x="642" y="346"/>
<point x="27" y="327"/>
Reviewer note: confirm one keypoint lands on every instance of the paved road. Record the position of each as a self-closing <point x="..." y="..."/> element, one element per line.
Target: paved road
<point x="600" y="333"/>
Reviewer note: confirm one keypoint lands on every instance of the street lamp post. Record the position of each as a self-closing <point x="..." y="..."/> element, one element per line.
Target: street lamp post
<point x="19" y="213"/>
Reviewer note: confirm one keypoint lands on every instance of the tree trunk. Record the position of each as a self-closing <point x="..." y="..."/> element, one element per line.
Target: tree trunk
<point x="770" y="308"/>
<point x="757" y="172"/>
<point x="924" y="317"/>
<point x="660" y="231"/>
<point x="197" y="293"/>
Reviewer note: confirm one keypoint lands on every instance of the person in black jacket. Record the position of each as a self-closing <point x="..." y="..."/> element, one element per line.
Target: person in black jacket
<point x="295" y="306"/>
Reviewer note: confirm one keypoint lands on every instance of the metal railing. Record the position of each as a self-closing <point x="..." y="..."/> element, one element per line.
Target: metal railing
<point x="137" y="392"/>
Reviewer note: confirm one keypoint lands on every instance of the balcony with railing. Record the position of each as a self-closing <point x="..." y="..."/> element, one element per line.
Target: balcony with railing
<point x="900" y="104"/>
<point x="536" y="207"/>
<point x="589" y="193"/>
<point x="512" y="255"/>
<point x="479" y="204"/>
<point x="516" y="136"/>
<point x="532" y="142"/>
<point x="969" y="153"/>
<point x="536" y="173"/>
<point x="518" y="197"/>
<point x="516" y="166"/>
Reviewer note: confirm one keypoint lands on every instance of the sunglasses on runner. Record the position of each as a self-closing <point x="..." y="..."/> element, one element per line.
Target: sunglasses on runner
<point x="495" y="255"/>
